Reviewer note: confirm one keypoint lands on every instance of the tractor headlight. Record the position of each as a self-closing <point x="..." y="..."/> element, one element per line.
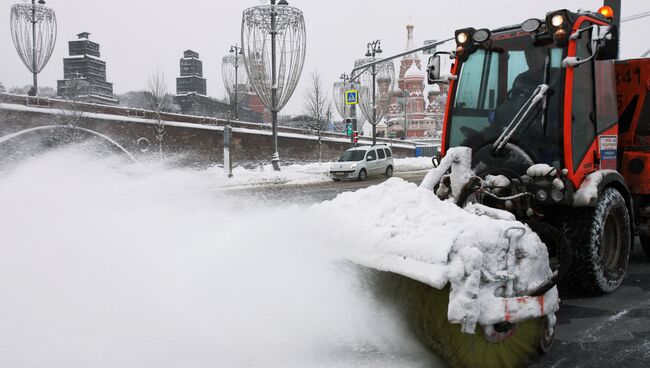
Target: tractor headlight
<point x="557" y="20"/>
<point x="542" y="195"/>
<point x="462" y="37"/>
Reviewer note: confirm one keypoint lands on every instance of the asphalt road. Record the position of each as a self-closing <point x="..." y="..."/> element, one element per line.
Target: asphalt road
<point x="316" y="193"/>
<point x="606" y="331"/>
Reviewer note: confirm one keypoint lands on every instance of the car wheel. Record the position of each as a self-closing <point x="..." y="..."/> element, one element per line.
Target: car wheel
<point x="389" y="171"/>
<point x="336" y="179"/>
<point x="600" y="237"/>
<point x="363" y="175"/>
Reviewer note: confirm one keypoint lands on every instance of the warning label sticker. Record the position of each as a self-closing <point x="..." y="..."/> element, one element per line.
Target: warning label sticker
<point x="608" y="145"/>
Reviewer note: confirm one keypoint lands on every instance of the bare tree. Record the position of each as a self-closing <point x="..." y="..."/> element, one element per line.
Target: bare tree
<point x="76" y="91"/>
<point x="2" y="88"/>
<point x="159" y="101"/>
<point x="318" y="110"/>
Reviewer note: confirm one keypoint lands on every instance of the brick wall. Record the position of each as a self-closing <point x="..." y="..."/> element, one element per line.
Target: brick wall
<point x="188" y="140"/>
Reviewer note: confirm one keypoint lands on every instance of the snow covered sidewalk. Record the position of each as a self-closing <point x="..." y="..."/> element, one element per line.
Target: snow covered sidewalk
<point x="301" y="174"/>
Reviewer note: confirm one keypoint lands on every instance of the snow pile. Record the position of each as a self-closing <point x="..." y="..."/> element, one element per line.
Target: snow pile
<point x="407" y="230"/>
<point x="412" y="164"/>
<point x="265" y="175"/>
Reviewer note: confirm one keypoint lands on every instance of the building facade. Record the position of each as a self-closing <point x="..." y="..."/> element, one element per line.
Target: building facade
<point x="84" y="74"/>
<point x="191" y="94"/>
<point x="191" y="79"/>
<point x="413" y="112"/>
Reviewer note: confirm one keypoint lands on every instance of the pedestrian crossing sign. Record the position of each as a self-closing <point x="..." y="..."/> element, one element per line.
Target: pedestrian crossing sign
<point x="352" y="97"/>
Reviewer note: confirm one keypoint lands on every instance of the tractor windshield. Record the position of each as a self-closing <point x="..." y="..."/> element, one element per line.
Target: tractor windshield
<point x="495" y="83"/>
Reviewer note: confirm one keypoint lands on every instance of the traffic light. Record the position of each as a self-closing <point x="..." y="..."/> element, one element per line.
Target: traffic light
<point x="355" y="137"/>
<point x="348" y="127"/>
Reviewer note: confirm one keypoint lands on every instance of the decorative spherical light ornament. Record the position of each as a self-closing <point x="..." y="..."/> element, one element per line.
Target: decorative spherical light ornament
<point x="383" y="83"/>
<point x="33" y="30"/>
<point x="235" y="78"/>
<point x="274" y="45"/>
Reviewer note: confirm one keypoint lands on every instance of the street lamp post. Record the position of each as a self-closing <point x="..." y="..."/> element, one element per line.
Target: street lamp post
<point x="236" y="51"/>
<point x="374" y="48"/>
<point x="33" y="30"/>
<point x="235" y="78"/>
<point x="261" y="26"/>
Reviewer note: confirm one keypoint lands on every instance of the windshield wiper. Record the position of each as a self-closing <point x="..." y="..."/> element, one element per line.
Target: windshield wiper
<point x="522" y="114"/>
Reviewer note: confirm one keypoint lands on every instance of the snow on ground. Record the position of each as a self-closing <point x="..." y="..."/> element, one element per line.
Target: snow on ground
<point x="302" y="174"/>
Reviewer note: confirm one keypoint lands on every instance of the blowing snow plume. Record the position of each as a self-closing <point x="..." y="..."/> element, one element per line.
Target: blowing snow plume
<point x="104" y="263"/>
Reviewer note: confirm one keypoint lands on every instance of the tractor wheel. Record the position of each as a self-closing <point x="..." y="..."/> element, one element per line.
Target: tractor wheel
<point x="363" y="175"/>
<point x="600" y="237"/>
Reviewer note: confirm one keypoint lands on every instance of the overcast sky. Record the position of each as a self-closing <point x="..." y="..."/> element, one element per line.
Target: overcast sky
<point x="138" y="36"/>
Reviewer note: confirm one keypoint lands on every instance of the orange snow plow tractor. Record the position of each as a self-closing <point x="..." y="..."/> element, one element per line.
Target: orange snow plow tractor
<point x="560" y="136"/>
<point x="544" y="130"/>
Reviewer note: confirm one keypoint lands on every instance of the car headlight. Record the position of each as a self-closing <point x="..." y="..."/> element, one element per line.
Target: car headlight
<point x="353" y="166"/>
<point x="331" y="167"/>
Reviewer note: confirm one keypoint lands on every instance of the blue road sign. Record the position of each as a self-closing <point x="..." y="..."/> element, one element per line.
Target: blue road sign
<point x="352" y="97"/>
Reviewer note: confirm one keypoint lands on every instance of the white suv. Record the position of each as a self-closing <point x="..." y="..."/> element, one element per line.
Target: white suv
<point x="361" y="162"/>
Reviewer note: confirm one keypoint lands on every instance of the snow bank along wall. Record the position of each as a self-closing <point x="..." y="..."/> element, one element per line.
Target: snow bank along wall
<point x="192" y="140"/>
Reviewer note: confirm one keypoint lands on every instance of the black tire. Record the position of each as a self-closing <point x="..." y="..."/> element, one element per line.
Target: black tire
<point x="600" y="237"/>
<point x="363" y="175"/>
<point x="389" y="171"/>
<point x="336" y="179"/>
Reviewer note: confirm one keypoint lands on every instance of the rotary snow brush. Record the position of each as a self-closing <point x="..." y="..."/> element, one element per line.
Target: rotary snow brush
<point x="474" y="283"/>
<point x="425" y="310"/>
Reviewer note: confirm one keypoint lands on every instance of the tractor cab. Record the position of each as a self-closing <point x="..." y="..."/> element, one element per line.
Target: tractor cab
<point x="526" y="95"/>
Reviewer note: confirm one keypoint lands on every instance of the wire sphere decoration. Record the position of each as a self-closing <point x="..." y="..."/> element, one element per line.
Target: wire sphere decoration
<point x="235" y="78"/>
<point x="384" y="81"/>
<point x="339" y="90"/>
<point x="288" y="26"/>
<point x="35" y="52"/>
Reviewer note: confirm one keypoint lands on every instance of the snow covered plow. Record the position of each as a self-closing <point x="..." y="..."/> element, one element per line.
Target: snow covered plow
<point x="460" y="275"/>
<point x="544" y="142"/>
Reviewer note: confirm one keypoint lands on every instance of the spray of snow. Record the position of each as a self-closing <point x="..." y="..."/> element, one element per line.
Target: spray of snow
<point x="109" y="264"/>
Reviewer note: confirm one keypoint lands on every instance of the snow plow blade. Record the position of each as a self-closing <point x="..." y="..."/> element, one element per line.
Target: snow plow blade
<point x="474" y="283"/>
<point x="424" y="308"/>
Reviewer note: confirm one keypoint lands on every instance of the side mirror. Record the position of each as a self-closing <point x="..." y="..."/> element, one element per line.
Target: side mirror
<point x="600" y="35"/>
<point x="433" y="69"/>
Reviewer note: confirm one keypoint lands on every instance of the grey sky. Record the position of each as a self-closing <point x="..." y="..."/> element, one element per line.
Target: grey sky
<point x="138" y="36"/>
